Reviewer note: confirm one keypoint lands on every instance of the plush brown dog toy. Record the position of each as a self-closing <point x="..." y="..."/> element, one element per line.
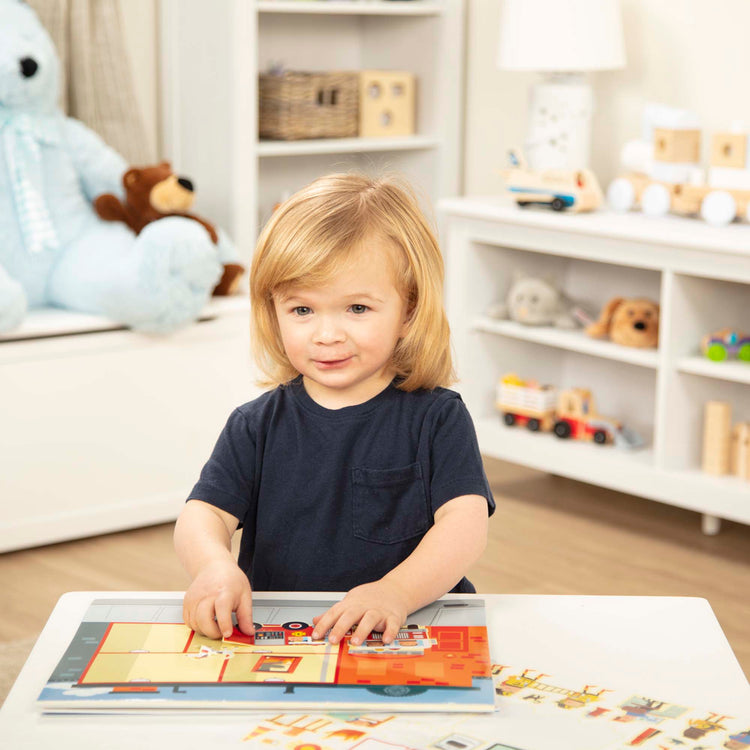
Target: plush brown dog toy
<point x="630" y="322"/>
<point x="152" y="193"/>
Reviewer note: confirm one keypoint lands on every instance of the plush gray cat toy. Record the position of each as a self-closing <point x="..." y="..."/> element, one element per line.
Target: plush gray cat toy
<point x="535" y="302"/>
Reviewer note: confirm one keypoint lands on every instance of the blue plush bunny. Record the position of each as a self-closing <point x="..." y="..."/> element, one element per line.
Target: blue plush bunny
<point x="54" y="249"/>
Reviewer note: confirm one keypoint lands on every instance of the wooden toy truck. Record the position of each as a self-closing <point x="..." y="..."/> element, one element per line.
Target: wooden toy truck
<point x="524" y="405"/>
<point x="571" y="413"/>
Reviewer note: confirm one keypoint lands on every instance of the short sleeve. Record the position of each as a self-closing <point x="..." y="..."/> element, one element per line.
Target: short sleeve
<point x="227" y="479"/>
<point x="456" y="464"/>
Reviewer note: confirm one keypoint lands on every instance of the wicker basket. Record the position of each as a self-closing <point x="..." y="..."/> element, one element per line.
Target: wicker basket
<point x="296" y="105"/>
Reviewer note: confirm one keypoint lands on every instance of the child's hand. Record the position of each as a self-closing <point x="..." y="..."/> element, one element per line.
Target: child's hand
<point x="381" y="605"/>
<point x="218" y="590"/>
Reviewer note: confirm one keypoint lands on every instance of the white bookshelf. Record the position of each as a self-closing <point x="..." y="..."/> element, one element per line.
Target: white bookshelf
<point x="699" y="274"/>
<point x="212" y="53"/>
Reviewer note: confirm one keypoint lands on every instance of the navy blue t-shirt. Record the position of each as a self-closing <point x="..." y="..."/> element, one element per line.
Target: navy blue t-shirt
<point x="332" y="498"/>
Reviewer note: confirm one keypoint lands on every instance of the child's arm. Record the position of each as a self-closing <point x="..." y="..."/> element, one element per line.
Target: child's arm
<point x="203" y="541"/>
<point x="441" y="559"/>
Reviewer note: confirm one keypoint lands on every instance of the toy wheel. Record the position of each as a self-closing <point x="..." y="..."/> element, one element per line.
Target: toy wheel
<point x="621" y="194"/>
<point x="600" y="437"/>
<point x="509" y="419"/>
<point x="743" y="353"/>
<point x="562" y="430"/>
<point x="716" y="352"/>
<point x="295" y="625"/>
<point x="558" y="204"/>
<point x="719" y="208"/>
<point x="533" y="425"/>
<point x="655" y="200"/>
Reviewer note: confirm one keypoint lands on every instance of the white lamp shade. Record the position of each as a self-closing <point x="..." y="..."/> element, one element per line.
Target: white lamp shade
<point x="561" y="35"/>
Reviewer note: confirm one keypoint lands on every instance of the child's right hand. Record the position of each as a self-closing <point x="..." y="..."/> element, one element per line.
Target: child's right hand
<point x="219" y="589"/>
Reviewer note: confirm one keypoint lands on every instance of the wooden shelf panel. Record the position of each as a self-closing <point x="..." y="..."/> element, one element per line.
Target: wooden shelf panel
<point x="345" y="145"/>
<point x="739" y="372"/>
<point x="575" y="341"/>
<point x="353" y="7"/>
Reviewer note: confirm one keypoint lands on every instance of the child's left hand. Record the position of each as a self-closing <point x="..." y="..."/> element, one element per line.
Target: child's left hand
<point x="381" y="605"/>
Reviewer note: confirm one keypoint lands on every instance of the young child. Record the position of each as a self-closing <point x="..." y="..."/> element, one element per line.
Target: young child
<point x="359" y="471"/>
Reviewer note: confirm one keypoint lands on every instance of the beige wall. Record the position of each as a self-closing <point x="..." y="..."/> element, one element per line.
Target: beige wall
<point x="686" y="53"/>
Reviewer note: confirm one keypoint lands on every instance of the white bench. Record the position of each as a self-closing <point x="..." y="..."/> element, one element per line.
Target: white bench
<point x="102" y="428"/>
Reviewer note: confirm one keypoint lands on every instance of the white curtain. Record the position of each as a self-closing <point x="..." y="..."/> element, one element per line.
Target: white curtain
<point x="97" y="82"/>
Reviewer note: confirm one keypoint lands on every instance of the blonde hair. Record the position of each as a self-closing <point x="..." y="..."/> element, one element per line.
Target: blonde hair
<point x="312" y="234"/>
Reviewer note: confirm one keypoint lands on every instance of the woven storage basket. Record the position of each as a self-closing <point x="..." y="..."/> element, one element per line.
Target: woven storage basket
<point x="297" y="105"/>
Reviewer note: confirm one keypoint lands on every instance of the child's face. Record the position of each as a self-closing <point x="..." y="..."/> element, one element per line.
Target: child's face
<point x="341" y="335"/>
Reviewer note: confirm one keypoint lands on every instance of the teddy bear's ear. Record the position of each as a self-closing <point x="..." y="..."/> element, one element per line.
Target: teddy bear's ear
<point x="166" y="165"/>
<point x="130" y="177"/>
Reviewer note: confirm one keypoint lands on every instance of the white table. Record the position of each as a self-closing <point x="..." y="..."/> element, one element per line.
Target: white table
<point x="667" y="647"/>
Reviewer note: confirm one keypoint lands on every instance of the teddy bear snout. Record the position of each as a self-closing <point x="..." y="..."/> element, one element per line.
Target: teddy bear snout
<point x="29" y="66"/>
<point x="639" y="325"/>
<point x="187" y="184"/>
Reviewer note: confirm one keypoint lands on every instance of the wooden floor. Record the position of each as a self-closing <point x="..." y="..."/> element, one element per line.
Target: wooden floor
<point x="549" y="536"/>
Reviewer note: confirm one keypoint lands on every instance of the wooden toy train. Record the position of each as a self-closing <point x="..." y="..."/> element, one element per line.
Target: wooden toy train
<point x="569" y="413"/>
<point x="666" y="175"/>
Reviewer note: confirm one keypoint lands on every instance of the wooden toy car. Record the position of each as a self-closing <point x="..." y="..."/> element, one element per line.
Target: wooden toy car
<point x="560" y="189"/>
<point x="726" y="343"/>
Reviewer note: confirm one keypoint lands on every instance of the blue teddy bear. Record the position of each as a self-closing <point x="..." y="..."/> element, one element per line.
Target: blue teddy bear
<point x="54" y="249"/>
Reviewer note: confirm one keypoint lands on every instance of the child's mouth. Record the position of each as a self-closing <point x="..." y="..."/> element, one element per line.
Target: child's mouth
<point x="331" y="364"/>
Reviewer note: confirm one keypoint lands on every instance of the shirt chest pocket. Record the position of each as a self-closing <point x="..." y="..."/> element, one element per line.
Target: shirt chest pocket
<point x="389" y="505"/>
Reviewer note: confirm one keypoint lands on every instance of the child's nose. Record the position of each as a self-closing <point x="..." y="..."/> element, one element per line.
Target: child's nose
<point x="329" y="330"/>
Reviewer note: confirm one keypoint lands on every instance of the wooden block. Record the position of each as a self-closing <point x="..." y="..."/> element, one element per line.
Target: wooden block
<point x="740" y="450"/>
<point x="729" y="150"/>
<point x="387" y="102"/>
<point x="677" y="146"/>
<point x="717" y="422"/>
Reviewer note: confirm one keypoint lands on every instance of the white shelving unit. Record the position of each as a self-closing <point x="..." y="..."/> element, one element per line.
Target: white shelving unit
<point x="701" y="277"/>
<point x="213" y="52"/>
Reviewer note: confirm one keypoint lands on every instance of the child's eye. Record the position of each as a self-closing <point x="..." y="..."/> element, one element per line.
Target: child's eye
<point x="359" y="309"/>
<point x="301" y="310"/>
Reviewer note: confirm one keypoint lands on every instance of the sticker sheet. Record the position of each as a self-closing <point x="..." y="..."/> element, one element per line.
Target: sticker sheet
<point x="533" y="711"/>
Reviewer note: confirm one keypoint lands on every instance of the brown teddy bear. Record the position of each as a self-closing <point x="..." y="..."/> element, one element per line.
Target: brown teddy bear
<point x="630" y="322"/>
<point x="152" y="193"/>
